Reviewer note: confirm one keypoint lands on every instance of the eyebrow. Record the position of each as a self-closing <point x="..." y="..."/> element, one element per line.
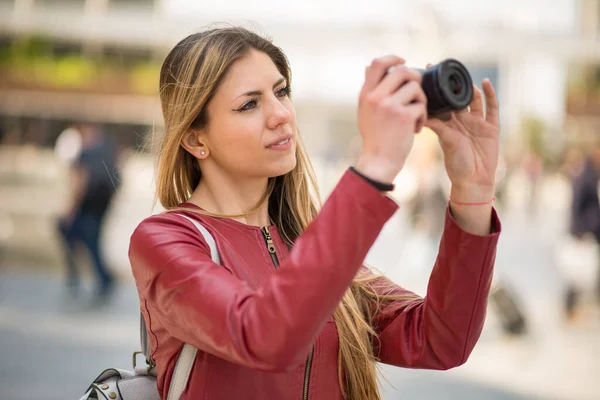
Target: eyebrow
<point x="258" y="92"/>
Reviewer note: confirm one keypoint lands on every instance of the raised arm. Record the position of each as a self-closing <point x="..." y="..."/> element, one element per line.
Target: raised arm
<point x="440" y="331"/>
<point x="272" y="327"/>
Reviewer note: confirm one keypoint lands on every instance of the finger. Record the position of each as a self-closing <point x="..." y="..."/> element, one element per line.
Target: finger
<point x="419" y="112"/>
<point x="395" y="79"/>
<point x="477" y="102"/>
<point x="378" y="68"/>
<point x="491" y="102"/>
<point x="443" y="131"/>
<point x="409" y="93"/>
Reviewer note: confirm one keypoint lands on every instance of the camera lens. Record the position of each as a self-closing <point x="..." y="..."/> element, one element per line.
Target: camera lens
<point x="455" y="84"/>
<point x="448" y="87"/>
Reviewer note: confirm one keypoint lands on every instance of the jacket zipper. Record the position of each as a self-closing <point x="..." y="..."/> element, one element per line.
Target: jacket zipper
<point x="270" y="246"/>
<point x="273" y="254"/>
<point x="307" y="373"/>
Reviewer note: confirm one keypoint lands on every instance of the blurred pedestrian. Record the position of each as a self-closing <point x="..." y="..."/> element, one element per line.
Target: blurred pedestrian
<point x="68" y="145"/>
<point x="290" y="311"/>
<point x="585" y="209"/>
<point x="94" y="181"/>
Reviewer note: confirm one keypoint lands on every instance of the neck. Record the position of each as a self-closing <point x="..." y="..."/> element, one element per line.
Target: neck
<point x="221" y="193"/>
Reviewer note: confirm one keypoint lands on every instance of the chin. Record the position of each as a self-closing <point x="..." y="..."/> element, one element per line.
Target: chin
<point x="283" y="166"/>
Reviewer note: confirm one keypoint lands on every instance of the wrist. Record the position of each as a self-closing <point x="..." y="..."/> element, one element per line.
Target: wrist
<point x="377" y="169"/>
<point x="472" y="194"/>
<point x="471" y="207"/>
<point x="381" y="186"/>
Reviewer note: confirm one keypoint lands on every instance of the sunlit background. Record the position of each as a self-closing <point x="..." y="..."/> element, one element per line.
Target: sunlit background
<point x="98" y="60"/>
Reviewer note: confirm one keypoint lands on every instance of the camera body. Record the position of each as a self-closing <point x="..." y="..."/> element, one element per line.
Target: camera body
<point x="448" y="87"/>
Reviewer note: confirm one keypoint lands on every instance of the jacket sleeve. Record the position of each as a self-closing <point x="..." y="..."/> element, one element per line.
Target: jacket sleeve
<point x="441" y="330"/>
<point x="270" y="328"/>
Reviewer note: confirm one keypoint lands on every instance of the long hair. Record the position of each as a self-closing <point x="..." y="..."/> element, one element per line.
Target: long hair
<point x="190" y="75"/>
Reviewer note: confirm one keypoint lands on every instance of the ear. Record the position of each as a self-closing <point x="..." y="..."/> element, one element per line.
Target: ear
<point x="195" y="145"/>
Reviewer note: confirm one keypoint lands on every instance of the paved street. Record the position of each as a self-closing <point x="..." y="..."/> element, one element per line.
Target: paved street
<point x="51" y="347"/>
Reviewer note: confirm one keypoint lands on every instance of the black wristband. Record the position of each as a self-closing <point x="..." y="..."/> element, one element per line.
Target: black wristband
<point x="384" y="187"/>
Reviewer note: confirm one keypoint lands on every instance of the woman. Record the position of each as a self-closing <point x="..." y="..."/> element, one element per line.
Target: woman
<point x="288" y="314"/>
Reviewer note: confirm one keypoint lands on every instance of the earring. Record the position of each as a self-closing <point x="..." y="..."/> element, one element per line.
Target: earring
<point x="202" y="153"/>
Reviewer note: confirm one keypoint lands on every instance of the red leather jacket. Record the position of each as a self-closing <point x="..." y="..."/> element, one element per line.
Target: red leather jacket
<point x="256" y="317"/>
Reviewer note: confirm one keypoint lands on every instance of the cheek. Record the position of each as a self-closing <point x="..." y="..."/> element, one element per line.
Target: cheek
<point x="237" y="140"/>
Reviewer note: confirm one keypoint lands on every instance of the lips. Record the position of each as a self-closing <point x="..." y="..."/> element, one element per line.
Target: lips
<point x="280" y="141"/>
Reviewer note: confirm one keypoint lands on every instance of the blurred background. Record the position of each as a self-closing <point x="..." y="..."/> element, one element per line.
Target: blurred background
<point x="97" y="61"/>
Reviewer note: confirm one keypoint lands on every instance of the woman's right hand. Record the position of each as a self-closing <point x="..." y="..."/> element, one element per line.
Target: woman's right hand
<point x="392" y="107"/>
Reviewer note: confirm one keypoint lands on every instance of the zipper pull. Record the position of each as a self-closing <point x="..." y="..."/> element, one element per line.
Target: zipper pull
<point x="270" y="244"/>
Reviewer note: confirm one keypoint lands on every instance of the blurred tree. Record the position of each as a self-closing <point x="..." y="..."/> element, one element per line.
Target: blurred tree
<point x="42" y="62"/>
<point x="144" y="78"/>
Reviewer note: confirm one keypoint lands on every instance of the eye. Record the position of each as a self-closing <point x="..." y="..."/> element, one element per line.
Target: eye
<point x="284" y="92"/>
<point x="247" y="106"/>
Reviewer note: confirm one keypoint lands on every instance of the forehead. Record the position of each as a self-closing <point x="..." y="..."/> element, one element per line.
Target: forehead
<point x="255" y="71"/>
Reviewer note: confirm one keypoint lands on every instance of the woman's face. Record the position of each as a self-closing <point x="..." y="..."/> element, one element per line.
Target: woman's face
<point x="251" y="120"/>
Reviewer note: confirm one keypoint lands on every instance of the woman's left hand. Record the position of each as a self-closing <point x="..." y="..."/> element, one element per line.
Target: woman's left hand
<point x="470" y="143"/>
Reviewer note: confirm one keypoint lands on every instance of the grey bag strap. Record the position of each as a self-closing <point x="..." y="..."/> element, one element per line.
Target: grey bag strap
<point x="212" y="245"/>
<point x="144" y="341"/>
<point x="186" y="358"/>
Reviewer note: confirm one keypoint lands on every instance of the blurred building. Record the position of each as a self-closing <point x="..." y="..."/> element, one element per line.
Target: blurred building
<point x="99" y="59"/>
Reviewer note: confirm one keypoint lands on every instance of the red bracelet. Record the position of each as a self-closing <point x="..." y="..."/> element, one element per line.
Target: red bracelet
<point x="482" y="203"/>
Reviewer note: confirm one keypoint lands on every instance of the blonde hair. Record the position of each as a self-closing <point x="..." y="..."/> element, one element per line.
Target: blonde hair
<point x="190" y="75"/>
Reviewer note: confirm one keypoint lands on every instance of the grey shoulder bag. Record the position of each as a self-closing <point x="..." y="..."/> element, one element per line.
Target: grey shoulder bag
<point x="140" y="384"/>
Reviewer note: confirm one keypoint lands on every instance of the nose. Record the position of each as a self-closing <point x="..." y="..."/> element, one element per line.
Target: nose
<point x="277" y="114"/>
